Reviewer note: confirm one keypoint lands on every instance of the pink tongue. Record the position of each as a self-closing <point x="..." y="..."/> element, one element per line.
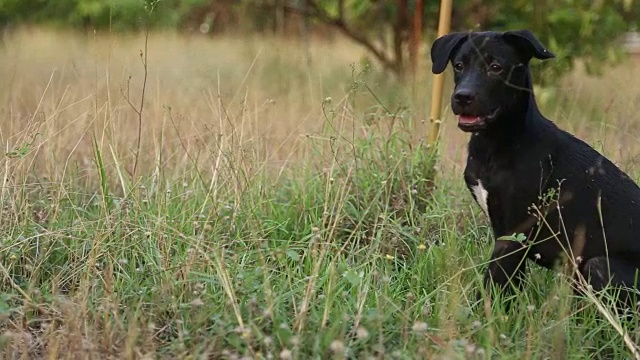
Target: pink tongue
<point x="463" y="119"/>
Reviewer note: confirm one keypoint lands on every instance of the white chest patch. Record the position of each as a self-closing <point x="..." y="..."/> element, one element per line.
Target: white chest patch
<point x="481" y="195"/>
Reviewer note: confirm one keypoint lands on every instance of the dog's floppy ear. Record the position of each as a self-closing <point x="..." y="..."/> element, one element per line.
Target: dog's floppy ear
<point x="528" y="43"/>
<point x="443" y="49"/>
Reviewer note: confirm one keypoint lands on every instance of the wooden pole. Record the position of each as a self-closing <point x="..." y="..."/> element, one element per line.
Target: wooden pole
<point x="444" y="24"/>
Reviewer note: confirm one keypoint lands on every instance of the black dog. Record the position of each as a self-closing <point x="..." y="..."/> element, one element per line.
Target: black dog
<point x="531" y="177"/>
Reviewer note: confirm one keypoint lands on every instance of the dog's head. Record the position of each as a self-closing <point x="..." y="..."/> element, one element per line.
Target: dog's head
<point x="491" y="73"/>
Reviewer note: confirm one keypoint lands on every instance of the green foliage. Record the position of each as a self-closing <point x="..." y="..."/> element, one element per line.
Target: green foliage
<point x="575" y="30"/>
<point x="376" y="15"/>
<point x="572" y="29"/>
<point x="117" y="15"/>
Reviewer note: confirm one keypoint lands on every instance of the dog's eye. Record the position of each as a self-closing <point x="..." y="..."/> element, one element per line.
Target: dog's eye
<point x="495" y="67"/>
<point x="458" y="66"/>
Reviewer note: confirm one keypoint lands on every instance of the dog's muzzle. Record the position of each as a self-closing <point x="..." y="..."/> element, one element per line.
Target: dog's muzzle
<point x="472" y="123"/>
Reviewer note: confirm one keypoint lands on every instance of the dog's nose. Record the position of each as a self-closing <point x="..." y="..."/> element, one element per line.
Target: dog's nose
<point x="464" y="97"/>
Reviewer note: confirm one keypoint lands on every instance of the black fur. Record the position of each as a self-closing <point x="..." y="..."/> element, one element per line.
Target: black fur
<point x="569" y="200"/>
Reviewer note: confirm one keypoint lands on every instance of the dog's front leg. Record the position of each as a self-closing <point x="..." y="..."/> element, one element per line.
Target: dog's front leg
<point x="507" y="265"/>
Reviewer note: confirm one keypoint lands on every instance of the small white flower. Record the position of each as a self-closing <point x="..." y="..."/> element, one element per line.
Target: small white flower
<point x="420" y="327"/>
<point x="337" y="346"/>
<point x="286" y="354"/>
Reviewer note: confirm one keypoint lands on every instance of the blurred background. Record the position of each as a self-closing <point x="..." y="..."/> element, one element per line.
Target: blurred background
<point x="391" y="31"/>
<point x="73" y="69"/>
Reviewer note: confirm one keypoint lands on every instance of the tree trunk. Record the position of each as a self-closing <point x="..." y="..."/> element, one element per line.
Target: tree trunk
<point x="416" y="38"/>
<point x="414" y="54"/>
<point x="278" y="17"/>
<point x="399" y="37"/>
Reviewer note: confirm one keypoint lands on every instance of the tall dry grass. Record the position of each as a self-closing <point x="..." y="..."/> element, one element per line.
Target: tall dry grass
<point x="267" y="267"/>
<point x="63" y="88"/>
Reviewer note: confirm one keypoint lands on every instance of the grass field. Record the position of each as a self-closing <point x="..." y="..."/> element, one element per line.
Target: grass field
<point x="279" y="206"/>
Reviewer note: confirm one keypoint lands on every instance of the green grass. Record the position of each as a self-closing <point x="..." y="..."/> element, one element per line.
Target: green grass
<point x="277" y="219"/>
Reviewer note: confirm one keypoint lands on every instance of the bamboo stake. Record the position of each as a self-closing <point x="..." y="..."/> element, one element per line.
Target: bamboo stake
<point x="444" y="24"/>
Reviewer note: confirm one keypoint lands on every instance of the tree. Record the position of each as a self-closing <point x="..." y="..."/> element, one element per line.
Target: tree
<point x="367" y="22"/>
<point x="573" y="29"/>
